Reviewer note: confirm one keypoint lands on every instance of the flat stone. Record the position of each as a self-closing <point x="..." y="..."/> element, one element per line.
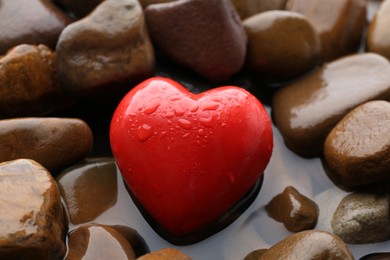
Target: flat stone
<point x="378" y="36"/>
<point x="32" y="221"/>
<point x="312" y="244"/>
<point x="363" y="218"/>
<point x="340" y="23"/>
<point x="205" y="36"/>
<point x="305" y="111"/>
<point x="107" y="51"/>
<point x="165" y="254"/>
<point x="27" y="82"/>
<point x="268" y="54"/>
<point x="79" y="8"/>
<point x="247" y="8"/>
<point x="30" y="22"/>
<point x="89" y="189"/>
<point x="98" y="242"/>
<point x="56" y="143"/>
<point x="357" y="149"/>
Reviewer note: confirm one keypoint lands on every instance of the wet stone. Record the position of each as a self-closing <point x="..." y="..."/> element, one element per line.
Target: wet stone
<point x="134" y="238"/>
<point x="294" y="210"/>
<point x="247" y="8"/>
<point x="357" y="149"/>
<point x="56" y="143"/>
<point x="165" y="254"/>
<point x="31" y="214"/>
<point x="105" y="52"/>
<point x="307" y="110"/>
<point x="311" y="244"/>
<point x="378" y="37"/>
<point x="340" y="23"/>
<point x="30" y="22"/>
<point x="27" y="81"/>
<point x="363" y="218"/>
<point x="270" y="56"/>
<point x="98" y="242"/>
<point x="256" y="254"/>
<point x="79" y="8"/>
<point x="89" y="189"/>
<point x="214" y="44"/>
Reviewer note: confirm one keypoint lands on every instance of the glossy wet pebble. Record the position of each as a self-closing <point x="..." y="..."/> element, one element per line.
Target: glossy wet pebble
<point x="340" y="23"/>
<point x="30" y="22"/>
<point x="105" y="50"/>
<point x="270" y="56"/>
<point x="256" y="254"/>
<point x="378" y="38"/>
<point x="31" y="215"/>
<point x="134" y="238"/>
<point x="357" y="149"/>
<point x="27" y="81"/>
<point x="363" y="218"/>
<point x="98" y="242"/>
<point x="89" y="189"/>
<point x="306" y="111"/>
<point x="296" y="211"/>
<point x="165" y="254"/>
<point x="247" y="8"/>
<point x="311" y="244"/>
<point x="56" y="143"/>
<point x="214" y="44"/>
<point x="79" y="8"/>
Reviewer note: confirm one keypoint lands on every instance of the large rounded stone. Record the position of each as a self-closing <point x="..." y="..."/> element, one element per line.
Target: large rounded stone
<point x="247" y="8"/>
<point x="306" y="111"/>
<point x="106" y="50"/>
<point x="378" y="37"/>
<point x="340" y="23"/>
<point x="31" y="214"/>
<point x="205" y="36"/>
<point x="357" y="149"/>
<point x="56" y="143"/>
<point x="282" y="44"/>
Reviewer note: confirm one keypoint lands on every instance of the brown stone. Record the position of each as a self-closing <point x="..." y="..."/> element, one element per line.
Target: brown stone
<point x="80" y="8"/>
<point x="107" y="51"/>
<point x="256" y="254"/>
<point x="31" y="214"/>
<point x="30" y="22"/>
<point x="296" y="211"/>
<point x="363" y="218"/>
<point x="340" y="23"/>
<point x="311" y="244"/>
<point x="56" y="143"/>
<point x="282" y="44"/>
<point x="134" y="238"/>
<point x="98" y="242"/>
<point x="145" y="3"/>
<point x="27" y="81"/>
<point x="357" y="149"/>
<point x="378" y="37"/>
<point x="205" y="36"/>
<point x="247" y="8"/>
<point x="165" y="254"/>
<point x="89" y="189"/>
<point x="306" y="111"/>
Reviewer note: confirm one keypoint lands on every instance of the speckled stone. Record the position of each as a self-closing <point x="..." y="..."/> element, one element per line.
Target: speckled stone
<point x="107" y="51"/>
<point x="31" y="215"/>
<point x="357" y="149"/>
<point x="56" y="143"/>
<point x="307" y="110"/>
<point x="27" y="82"/>
<point x="30" y="22"/>
<point x="205" y="36"/>
<point x="247" y="8"/>
<point x="378" y="37"/>
<point x="340" y="23"/>
<point x="165" y="254"/>
<point x="363" y="218"/>
<point x="268" y="54"/>
<point x="89" y="189"/>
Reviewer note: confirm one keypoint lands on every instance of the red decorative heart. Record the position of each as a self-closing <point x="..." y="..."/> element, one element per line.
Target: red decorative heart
<point x="189" y="158"/>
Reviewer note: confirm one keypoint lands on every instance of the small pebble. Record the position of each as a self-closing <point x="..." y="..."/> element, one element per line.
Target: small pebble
<point x="296" y="211"/>
<point x="31" y="214"/>
<point x="165" y="254"/>
<point x="89" y="189"/>
<point x="363" y="218"/>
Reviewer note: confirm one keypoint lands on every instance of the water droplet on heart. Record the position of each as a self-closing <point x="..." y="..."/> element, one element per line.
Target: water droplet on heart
<point x="151" y="107"/>
<point x="184" y="123"/>
<point x="206" y="121"/>
<point x="201" y="132"/>
<point x="210" y="106"/>
<point x="179" y="111"/>
<point x="231" y="178"/>
<point x="194" y="108"/>
<point x="169" y="114"/>
<point x="174" y="98"/>
<point x="186" y="135"/>
<point x="144" y="132"/>
<point x="224" y="125"/>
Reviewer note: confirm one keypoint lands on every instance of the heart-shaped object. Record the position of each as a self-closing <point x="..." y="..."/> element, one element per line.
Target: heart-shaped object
<point x="188" y="159"/>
